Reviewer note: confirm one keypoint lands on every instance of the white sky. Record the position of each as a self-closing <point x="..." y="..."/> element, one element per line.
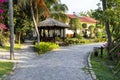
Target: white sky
<point x="80" y="5"/>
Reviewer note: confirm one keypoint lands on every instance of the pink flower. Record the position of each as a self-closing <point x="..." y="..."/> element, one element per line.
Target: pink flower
<point x="2" y="1"/>
<point x="1" y="11"/>
<point x="3" y="26"/>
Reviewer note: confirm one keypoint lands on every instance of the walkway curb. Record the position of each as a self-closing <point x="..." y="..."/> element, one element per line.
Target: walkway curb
<point x="90" y="67"/>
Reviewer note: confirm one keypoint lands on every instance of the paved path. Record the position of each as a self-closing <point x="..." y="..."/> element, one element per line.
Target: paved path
<point x="66" y="63"/>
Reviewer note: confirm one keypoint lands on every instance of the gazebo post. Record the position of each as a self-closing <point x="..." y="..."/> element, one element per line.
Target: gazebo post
<point x="54" y="35"/>
<point x="63" y="34"/>
<point x="60" y="32"/>
<point x="48" y="32"/>
<point x="40" y="34"/>
<point x="44" y="33"/>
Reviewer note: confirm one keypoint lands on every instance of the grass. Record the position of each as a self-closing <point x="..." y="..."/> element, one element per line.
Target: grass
<point x="5" y="67"/>
<point x="7" y="47"/>
<point x="102" y="68"/>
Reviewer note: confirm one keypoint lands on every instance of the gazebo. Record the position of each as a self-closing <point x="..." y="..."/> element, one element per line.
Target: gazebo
<point x="50" y="28"/>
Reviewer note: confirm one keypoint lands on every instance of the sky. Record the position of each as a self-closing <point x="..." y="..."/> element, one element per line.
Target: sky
<point x="80" y="5"/>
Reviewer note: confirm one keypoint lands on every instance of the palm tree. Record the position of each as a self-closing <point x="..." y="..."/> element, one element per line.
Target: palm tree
<point x="36" y="6"/>
<point x="10" y="2"/>
<point x="58" y="12"/>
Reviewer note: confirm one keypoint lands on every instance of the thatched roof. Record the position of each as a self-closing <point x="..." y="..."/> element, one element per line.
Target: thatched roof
<point x="50" y="22"/>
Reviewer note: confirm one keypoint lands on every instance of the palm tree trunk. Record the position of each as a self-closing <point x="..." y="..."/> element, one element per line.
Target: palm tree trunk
<point x="19" y="38"/>
<point x="11" y="29"/>
<point x="34" y="21"/>
<point x="107" y="26"/>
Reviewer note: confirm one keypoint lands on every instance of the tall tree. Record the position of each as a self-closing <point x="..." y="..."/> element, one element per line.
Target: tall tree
<point x="10" y="2"/>
<point x="107" y="27"/>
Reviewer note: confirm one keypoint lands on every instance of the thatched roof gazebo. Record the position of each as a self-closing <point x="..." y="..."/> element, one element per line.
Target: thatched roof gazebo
<point x="51" y="28"/>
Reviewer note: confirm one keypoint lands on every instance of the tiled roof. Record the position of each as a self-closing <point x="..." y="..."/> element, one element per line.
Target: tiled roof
<point x="88" y="19"/>
<point x="83" y="18"/>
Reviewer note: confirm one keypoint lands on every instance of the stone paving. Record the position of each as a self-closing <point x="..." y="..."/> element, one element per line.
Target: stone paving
<point x="66" y="63"/>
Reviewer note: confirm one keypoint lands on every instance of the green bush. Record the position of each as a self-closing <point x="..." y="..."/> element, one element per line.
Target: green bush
<point x="3" y="40"/>
<point x="84" y="25"/>
<point x="82" y="41"/>
<point x="100" y="39"/>
<point x="43" y="47"/>
<point x="99" y="34"/>
<point x="79" y="36"/>
<point x="72" y="41"/>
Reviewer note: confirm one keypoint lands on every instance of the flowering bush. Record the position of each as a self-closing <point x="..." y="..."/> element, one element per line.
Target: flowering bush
<point x="3" y="39"/>
<point x="3" y="26"/>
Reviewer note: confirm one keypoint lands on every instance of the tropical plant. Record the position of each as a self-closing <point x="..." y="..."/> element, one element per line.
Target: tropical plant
<point x="22" y="23"/>
<point x="106" y="19"/>
<point x="75" y="25"/>
<point x="57" y="11"/>
<point x="36" y="7"/>
<point x="84" y="31"/>
<point x="91" y="29"/>
<point x="112" y="19"/>
<point x="84" y="25"/>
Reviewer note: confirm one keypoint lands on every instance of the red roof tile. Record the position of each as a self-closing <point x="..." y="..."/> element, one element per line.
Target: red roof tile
<point x="88" y="19"/>
<point x="83" y="18"/>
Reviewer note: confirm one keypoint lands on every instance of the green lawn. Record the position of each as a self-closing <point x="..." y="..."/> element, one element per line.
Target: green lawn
<point x="5" y="67"/>
<point x="7" y="47"/>
<point x="102" y="68"/>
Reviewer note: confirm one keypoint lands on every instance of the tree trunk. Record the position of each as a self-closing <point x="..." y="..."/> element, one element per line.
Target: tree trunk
<point x="107" y="25"/>
<point x="19" y="38"/>
<point x="11" y="29"/>
<point x="35" y="23"/>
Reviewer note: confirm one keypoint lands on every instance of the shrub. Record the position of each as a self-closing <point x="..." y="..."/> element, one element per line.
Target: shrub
<point x="43" y="47"/>
<point x="84" y="25"/>
<point x="100" y="40"/>
<point x="99" y="34"/>
<point x="72" y="41"/>
<point x="79" y="36"/>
